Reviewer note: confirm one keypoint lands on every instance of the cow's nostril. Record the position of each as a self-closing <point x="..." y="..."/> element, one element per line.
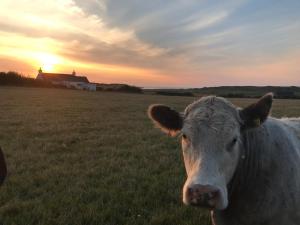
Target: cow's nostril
<point x="207" y="196"/>
<point x="212" y="194"/>
<point x="190" y="191"/>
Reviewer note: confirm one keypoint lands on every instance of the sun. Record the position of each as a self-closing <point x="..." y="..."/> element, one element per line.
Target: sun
<point x="48" y="61"/>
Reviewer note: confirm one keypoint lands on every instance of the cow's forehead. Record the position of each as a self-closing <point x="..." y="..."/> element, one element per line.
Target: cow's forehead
<point x="210" y="103"/>
<point x="213" y="113"/>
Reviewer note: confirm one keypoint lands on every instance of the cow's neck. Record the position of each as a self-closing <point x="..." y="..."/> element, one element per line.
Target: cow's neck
<point x="249" y="166"/>
<point x="249" y="176"/>
<point x="263" y="168"/>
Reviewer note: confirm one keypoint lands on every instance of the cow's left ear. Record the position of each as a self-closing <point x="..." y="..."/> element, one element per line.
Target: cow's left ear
<point x="255" y="114"/>
<point x="167" y="119"/>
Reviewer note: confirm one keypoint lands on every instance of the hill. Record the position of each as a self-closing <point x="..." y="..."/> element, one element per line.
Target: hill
<point x="291" y="92"/>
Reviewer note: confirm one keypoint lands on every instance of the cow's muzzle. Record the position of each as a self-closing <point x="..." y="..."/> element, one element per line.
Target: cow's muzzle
<point x="202" y="195"/>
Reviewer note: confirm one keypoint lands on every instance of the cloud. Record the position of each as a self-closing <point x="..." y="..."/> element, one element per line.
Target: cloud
<point x="204" y="22"/>
<point x="201" y="41"/>
<point x="65" y="18"/>
<point x="68" y="24"/>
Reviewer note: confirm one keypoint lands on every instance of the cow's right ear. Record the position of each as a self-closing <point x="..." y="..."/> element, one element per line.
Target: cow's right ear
<point x="167" y="119"/>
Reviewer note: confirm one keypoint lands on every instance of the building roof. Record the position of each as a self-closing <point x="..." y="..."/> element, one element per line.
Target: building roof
<point x="59" y="77"/>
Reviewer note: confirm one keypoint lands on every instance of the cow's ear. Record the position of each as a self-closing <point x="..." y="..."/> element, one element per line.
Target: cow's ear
<point x="167" y="119"/>
<point x="255" y="114"/>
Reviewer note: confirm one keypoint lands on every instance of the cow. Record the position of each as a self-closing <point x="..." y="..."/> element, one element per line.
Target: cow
<point x="3" y="168"/>
<point x="241" y="163"/>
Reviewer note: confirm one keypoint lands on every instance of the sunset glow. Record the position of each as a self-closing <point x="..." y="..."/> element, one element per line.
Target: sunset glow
<point x="167" y="43"/>
<point x="48" y="61"/>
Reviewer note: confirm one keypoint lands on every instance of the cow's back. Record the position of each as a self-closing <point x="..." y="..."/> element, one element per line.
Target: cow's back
<point x="293" y="125"/>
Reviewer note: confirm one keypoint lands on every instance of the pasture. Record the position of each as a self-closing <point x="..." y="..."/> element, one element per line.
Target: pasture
<point x="78" y="158"/>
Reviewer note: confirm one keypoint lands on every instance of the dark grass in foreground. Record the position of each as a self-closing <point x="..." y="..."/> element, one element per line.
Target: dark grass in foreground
<point x="79" y="157"/>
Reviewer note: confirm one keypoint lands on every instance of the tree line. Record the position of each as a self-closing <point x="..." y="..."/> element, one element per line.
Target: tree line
<point x="16" y="79"/>
<point x="12" y="78"/>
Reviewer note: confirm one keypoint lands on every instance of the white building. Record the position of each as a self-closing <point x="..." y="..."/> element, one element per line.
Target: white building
<point x="67" y="80"/>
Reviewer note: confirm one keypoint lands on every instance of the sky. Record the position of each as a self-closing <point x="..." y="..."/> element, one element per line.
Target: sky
<point x="157" y="43"/>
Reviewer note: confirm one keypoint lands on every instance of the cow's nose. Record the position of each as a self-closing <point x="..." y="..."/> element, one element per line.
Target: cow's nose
<point x="202" y="195"/>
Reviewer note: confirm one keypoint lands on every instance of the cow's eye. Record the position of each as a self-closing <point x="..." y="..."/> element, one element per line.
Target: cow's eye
<point x="234" y="140"/>
<point x="232" y="144"/>
<point x="185" y="138"/>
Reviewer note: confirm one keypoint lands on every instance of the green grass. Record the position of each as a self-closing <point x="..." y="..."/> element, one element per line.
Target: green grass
<point x="78" y="157"/>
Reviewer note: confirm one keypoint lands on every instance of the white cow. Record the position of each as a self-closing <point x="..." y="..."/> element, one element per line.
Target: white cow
<point x="241" y="164"/>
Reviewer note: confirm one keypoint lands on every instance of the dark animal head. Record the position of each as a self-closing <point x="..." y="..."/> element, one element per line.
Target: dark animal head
<point x="3" y="169"/>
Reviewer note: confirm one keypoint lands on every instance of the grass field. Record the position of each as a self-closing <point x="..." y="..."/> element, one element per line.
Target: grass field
<point x="78" y="157"/>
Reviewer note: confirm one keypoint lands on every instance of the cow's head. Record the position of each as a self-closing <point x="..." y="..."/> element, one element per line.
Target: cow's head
<point x="211" y="130"/>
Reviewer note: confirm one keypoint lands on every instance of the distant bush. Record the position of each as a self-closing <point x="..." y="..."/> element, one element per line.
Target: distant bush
<point x="119" y="88"/>
<point x="235" y="95"/>
<point x="188" y="94"/>
<point x="15" y="79"/>
<point x="284" y="93"/>
<point x="287" y="92"/>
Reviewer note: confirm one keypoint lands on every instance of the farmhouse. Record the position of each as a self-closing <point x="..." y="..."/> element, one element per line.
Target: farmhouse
<point x="67" y="80"/>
